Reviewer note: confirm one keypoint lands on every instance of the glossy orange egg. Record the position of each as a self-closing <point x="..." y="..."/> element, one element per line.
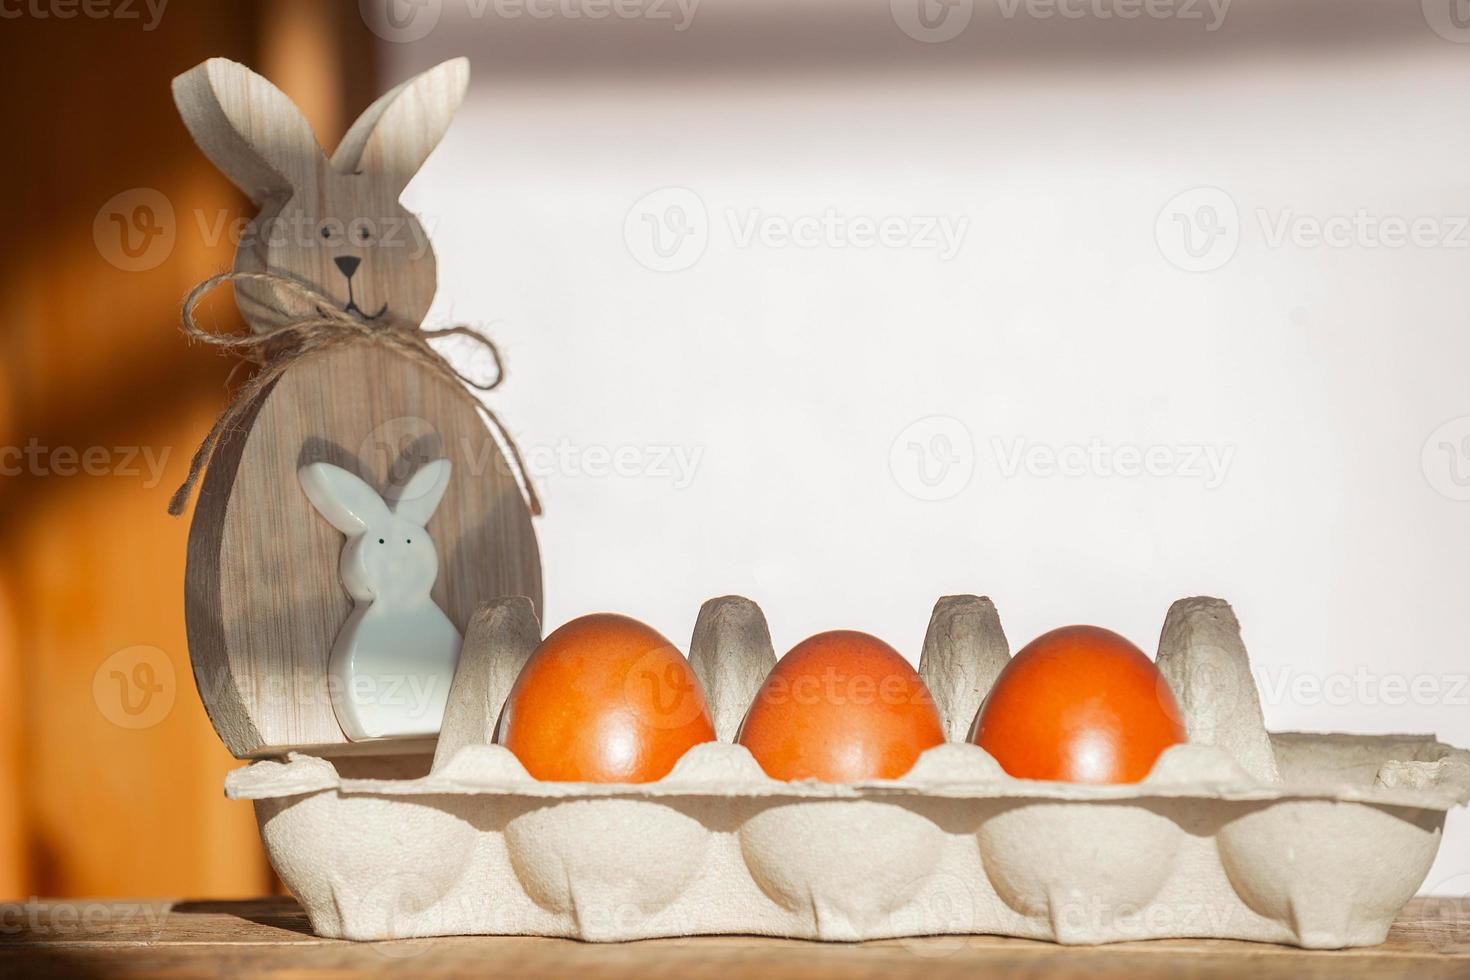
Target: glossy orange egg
<point x="1079" y="704"/>
<point x="841" y="706"/>
<point x="604" y="699"/>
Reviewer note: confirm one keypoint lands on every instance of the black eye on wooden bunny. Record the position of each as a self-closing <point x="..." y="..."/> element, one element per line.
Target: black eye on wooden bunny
<point x="263" y="597"/>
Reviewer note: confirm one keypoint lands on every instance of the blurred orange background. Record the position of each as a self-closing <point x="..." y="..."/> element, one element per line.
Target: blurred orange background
<point x="111" y="783"/>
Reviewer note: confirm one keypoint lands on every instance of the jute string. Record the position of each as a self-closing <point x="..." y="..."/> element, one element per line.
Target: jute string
<point x="275" y="349"/>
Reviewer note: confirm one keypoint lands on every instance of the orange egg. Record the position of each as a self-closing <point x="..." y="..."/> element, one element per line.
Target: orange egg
<point x="604" y="699"/>
<point x="1079" y="704"/>
<point x="841" y="706"/>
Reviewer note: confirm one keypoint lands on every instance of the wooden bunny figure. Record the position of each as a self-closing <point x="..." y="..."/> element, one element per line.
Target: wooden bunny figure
<point x="334" y="276"/>
<point x="333" y="222"/>
<point x="393" y="662"/>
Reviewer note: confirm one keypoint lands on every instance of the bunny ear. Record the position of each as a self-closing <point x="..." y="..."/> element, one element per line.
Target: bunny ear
<point x="396" y="134"/>
<point x="249" y="129"/>
<point x="344" y="500"/>
<point x="418" y="498"/>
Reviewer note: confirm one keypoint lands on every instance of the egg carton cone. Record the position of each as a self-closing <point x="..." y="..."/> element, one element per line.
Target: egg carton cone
<point x="1310" y="840"/>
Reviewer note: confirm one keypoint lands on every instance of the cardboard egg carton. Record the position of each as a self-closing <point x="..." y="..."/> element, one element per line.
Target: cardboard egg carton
<point x="1312" y="840"/>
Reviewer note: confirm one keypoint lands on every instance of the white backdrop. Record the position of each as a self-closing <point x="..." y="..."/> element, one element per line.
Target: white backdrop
<point x="799" y="306"/>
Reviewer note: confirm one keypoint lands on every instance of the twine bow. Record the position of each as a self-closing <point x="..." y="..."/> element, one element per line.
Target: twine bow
<point x="277" y="348"/>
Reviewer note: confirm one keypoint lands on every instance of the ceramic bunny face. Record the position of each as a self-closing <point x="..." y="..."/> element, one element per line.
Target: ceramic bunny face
<point x="389" y="557"/>
<point x="394" y="659"/>
<point x="334" y="223"/>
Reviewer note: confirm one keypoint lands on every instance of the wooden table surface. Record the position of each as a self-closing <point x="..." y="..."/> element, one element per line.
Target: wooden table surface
<point x="270" y="937"/>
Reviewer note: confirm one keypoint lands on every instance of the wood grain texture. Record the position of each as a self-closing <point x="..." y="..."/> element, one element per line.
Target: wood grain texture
<point x="264" y="600"/>
<point x="322" y="216"/>
<point x="1431" y="939"/>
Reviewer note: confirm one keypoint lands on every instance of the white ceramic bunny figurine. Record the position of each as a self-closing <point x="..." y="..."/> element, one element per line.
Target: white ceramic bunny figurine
<point x="394" y="659"/>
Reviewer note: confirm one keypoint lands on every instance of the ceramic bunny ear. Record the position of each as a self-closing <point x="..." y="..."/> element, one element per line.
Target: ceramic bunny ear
<point x="249" y="129"/>
<point x="417" y="499"/>
<point x="349" y="504"/>
<point x="393" y="138"/>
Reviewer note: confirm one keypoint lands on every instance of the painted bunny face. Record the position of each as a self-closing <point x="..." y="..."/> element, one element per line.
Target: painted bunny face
<point x="389" y="558"/>
<point x="335" y="223"/>
<point x="352" y="241"/>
